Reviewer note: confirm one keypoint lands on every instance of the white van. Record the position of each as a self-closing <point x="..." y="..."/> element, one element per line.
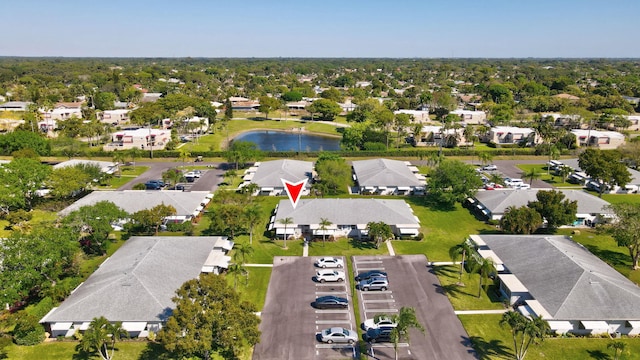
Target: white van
<point x="554" y="164"/>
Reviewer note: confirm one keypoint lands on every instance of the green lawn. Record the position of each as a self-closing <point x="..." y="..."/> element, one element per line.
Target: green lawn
<point x="345" y="247"/>
<point x="442" y="229"/>
<point x="556" y="181"/>
<point x="466" y="297"/>
<point x="493" y="342"/>
<point x="253" y="289"/>
<point x="621" y="198"/>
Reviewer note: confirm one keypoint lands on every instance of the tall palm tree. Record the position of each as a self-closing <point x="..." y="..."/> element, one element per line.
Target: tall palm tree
<point x="484" y="267"/>
<point x="461" y="249"/>
<point x="184" y="155"/>
<point x="524" y="331"/>
<point x="285" y="221"/>
<point x="532" y="175"/>
<point x="119" y="158"/>
<point x="134" y="153"/>
<point x="101" y="336"/>
<point x="252" y="216"/>
<point x="242" y="251"/>
<point x="235" y="270"/>
<point x="324" y="222"/>
<point x="485" y="157"/>
<point x="406" y="319"/>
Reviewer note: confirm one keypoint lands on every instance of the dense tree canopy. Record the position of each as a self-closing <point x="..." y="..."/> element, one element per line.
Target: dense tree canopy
<point x="453" y="181"/>
<point x="210" y="317"/>
<point x="626" y="229"/>
<point x="554" y="208"/>
<point x="604" y="167"/>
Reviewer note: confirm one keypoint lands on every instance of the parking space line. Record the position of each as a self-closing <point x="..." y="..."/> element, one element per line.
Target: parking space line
<point x="330" y="292"/>
<point x="381" y="310"/>
<point x="379" y="345"/>
<point x="368" y="262"/>
<point x="321" y="322"/>
<point x="379" y="301"/>
<point x="332" y="311"/>
<point x="329" y="284"/>
<point x="376" y="292"/>
<point x="334" y="346"/>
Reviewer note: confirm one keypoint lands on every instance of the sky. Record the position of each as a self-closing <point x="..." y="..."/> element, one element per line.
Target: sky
<point x="321" y="28"/>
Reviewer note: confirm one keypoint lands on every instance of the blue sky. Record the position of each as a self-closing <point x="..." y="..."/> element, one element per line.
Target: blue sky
<point x="321" y="28"/>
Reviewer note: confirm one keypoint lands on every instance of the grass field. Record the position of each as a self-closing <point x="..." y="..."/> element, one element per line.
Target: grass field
<point x="541" y="169"/>
<point x="493" y="342"/>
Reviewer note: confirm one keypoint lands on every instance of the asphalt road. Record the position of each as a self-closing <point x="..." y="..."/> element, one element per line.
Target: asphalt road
<point x="208" y="181"/>
<point x="412" y="284"/>
<point x="290" y="324"/>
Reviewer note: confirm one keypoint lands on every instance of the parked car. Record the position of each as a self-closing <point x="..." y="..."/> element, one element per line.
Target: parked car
<point x="330" y="302"/>
<point x="338" y="335"/>
<point x="329" y="262"/>
<point x="154" y="184"/>
<point x="330" y="275"/>
<point x="513" y="182"/>
<point x="490" y="167"/>
<point x="378" y="335"/>
<point x="383" y="322"/>
<point x="523" y="186"/>
<point x="370" y="274"/>
<point x="374" y="284"/>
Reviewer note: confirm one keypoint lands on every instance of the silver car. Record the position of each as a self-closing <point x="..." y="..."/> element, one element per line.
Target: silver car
<point x="338" y="335"/>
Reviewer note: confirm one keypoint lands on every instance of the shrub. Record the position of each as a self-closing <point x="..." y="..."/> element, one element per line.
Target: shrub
<point x="28" y="331"/>
<point x="18" y="216"/>
<point x="139" y="186"/>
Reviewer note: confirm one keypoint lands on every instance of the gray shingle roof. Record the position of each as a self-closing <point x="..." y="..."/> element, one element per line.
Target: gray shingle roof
<point x="138" y="281"/>
<point x="384" y="172"/>
<point x="131" y="201"/>
<point x="497" y="201"/>
<point x="347" y="211"/>
<point x="569" y="282"/>
<point x="269" y="173"/>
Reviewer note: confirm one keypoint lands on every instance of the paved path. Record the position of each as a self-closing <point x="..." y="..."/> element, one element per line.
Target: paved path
<point x="258" y="265"/>
<point x="305" y="249"/>
<point x="390" y="248"/>
<point x="477" y="312"/>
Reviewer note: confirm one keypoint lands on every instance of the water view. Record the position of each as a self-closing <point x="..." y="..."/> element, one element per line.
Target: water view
<point x="269" y="140"/>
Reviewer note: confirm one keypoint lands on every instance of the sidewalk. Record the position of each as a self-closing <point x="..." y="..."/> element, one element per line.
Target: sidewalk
<point x="390" y="248"/>
<point x="258" y="265"/>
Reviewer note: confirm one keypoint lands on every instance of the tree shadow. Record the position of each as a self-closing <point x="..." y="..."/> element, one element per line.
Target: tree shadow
<point x="81" y="354"/>
<point x="431" y="203"/>
<point x="154" y="351"/>
<point x="450" y="271"/>
<point x="488" y="349"/>
<point x="361" y="244"/>
<point x="612" y="258"/>
<point x="598" y="355"/>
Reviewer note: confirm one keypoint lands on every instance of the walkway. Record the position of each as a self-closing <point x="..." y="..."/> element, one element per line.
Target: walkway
<point x="390" y="248"/>
<point x="478" y="312"/>
<point x="259" y="265"/>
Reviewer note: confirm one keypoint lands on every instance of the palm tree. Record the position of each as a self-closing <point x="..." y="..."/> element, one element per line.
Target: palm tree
<point x="484" y="267"/>
<point x="252" y="216"/>
<point x="485" y="157"/>
<point x="134" y="153"/>
<point x="463" y="249"/>
<point x="324" y="222"/>
<point x="285" y="221"/>
<point x="119" y="158"/>
<point x="406" y="319"/>
<point x="100" y="334"/>
<point x="184" y="155"/>
<point x="531" y="175"/>
<point x="524" y="331"/>
<point x="242" y="251"/>
<point x="618" y="347"/>
<point x="564" y="172"/>
<point x="235" y="270"/>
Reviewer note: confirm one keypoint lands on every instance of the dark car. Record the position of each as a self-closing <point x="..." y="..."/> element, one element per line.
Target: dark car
<point x="330" y="302"/>
<point x="154" y="184"/>
<point x="370" y="274"/>
<point x="378" y="335"/>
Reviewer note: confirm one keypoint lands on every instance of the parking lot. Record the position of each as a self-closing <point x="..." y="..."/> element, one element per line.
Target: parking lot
<point x="412" y="284"/>
<point x="290" y="325"/>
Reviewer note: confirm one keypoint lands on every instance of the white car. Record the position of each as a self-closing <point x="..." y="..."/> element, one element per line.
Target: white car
<point x="490" y="168"/>
<point x="383" y="322"/>
<point x="513" y="182"/>
<point x="329" y="262"/>
<point x="523" y="186"/>
<point x="330" y="275"/>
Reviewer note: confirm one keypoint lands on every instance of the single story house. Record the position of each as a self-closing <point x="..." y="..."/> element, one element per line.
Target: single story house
<point x="494" y="203"/>
<point x="268" y="174"/>
<point x="106" y="167"/>
<point x="419" y="116"/>
<point x="250" y="105"/>
<point x="598" y="139"/>
<point x="144" y="139"/>
<point x="114" y="117"/>
<point x="559" y="280"/>
<point x="15" y="106"/>
<point x="135" y="285"/>
<point x="348" y="217"/>
<point x="61" y="113"/>
<point x="511" y="135"/>
<point x="470" y="117"/>
<point x="436" y="135"/>
<point x="387" y="177"/>
<point x="188" y="204"/>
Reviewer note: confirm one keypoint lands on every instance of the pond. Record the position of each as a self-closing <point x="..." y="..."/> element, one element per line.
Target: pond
<point x="270" y="140"/>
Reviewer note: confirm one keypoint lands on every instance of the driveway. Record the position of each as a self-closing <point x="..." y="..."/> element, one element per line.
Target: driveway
<point x="290" y="324"/>
<point x="412" y="284"/>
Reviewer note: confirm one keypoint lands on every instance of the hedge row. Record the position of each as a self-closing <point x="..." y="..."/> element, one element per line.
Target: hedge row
<point x="417" y="153"/>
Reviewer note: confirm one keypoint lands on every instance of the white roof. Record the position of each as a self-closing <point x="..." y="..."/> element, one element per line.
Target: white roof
<point x="597" y="133"/>
<point x="512" y="129"/>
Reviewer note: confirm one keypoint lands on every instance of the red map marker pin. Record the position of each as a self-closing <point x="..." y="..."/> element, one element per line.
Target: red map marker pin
<point x="294" y="190"/>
